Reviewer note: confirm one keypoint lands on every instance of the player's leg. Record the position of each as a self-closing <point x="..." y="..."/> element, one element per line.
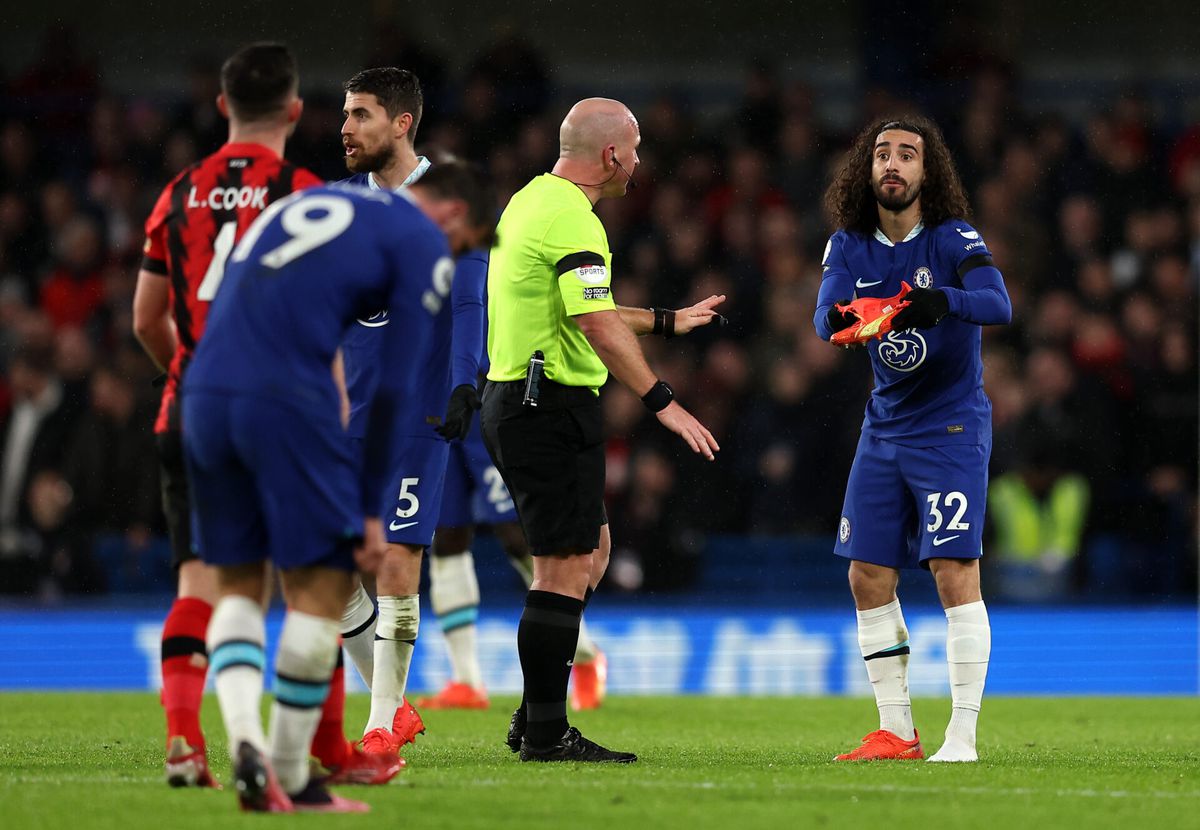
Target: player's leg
<point x="307" y="486"/>
<point x="304" y="666"/>
<point x="358" y="631"/>
<point x="410" y="518"/>
<point x="589" y="674"/>
<point x="877" y="518"/>
<point x="453" y="586"/>
<point x="398" y="582"/>
<point x="184" y="654"/>
<point x="968" y="649"/>
<point x="950" y="484"/>
<point x="230" y="533"/>
<point x="454" y="595"/>
<point x="883" y="643"/>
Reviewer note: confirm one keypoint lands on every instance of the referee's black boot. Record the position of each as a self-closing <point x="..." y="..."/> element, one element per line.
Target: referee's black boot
<point x="572" y="746"/>
<point x="516" y="729"/>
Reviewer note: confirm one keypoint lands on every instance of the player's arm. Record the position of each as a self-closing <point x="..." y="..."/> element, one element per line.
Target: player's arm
<point x="339" y="380"/>
<point x="671" y="322"/>
<point x="416" y="256"/>
<point x="837" y="286"/>
<point x="152" y="322"/>
<point x="469" y="314"/>
<point x="983" y="299"/>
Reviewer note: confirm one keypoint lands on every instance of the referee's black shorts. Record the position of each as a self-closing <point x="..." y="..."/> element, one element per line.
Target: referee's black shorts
<point x="552" y="460"/>
<point x="172" y="477"/>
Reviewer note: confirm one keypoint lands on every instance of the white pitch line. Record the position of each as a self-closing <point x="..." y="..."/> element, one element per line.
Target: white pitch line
<point x="778" y="786"/>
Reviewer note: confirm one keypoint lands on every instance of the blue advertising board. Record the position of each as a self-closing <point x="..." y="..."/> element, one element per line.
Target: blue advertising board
<point x="728" y="651"/>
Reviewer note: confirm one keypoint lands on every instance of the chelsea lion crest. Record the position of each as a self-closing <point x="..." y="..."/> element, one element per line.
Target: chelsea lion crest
<point x="844" y="530"/>
<point x="923" y="277"/>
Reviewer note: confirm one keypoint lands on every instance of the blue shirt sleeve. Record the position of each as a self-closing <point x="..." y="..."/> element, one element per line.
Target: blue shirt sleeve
<point x="470" y="316"/>
<point x="837" y="284"/>
<point x="983" y="299"/>
<point x="422" y="277"/>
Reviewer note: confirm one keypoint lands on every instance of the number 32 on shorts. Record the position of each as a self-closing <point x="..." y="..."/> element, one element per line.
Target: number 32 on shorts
<point x="955" y="501"/>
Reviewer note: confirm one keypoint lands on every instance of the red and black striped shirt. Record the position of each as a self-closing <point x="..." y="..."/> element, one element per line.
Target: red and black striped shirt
<point x="195" y="224"/>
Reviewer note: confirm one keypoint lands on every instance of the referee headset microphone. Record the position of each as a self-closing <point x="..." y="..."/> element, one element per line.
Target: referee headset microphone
<point x="628" y="175"/>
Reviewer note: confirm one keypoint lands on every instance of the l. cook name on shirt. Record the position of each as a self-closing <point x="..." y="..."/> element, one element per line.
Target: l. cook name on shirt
<point x="229" y="198"/>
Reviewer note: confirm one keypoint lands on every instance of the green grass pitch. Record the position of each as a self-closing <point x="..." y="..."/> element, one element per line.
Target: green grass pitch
<point x="94" y="761"/>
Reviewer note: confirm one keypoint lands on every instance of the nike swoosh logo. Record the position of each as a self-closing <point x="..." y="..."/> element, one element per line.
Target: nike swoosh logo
<point x="936" y="540"/>
<point x="861" y="284"/>
<point x="398" y="526"/>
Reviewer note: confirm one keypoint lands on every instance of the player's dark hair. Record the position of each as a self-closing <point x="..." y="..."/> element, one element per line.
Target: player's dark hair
<point x="258" y="80"/>
<point x="397" y="90"/>
<point x="851" y="200"/>
<point x="462" y="180"/>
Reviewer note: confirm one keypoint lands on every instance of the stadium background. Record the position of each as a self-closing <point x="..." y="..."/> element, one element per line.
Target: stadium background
<point x="1083" y="164"/>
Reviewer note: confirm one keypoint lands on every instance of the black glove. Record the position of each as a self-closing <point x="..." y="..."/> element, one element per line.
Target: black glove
<point x="839" y="320"/>
<point x="464" y="400"/>
<point x="926" y="308"/>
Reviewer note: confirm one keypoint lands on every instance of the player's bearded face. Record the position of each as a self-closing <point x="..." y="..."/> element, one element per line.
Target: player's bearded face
<point x="370" y="159"/>
<point x="897" y="169"/>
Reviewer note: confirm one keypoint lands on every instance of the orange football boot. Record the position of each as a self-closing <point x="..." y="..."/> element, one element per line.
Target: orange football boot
<point x="406" y="724"/>
<point x="589" y="681"/>
<point x="369" y="768"/>
<point x="379" y="741"/>
<point x="456" y="696"/>
<point x="882" y="745"/>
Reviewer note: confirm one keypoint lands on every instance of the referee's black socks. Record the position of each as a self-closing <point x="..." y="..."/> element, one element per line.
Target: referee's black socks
<point x="546" y="641"/>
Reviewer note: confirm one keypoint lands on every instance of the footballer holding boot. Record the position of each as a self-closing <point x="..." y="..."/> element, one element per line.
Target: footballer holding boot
<point x="918" y="486"/>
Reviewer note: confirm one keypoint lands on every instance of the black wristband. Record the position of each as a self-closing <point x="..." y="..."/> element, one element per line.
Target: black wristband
<point x="659" y="397"/>
<point x="659" y="320"/>
<point x="664" y="322"/>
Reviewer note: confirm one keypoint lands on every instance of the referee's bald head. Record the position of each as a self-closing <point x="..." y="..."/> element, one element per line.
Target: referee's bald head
<point x="594" y="124"/>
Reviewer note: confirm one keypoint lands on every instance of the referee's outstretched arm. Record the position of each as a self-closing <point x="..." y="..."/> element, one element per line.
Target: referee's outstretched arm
<point x="617" y="346"/>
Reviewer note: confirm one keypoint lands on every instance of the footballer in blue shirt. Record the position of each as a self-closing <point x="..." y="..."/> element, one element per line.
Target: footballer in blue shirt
<point x="273" y="476"/>
<point x="918" y="486"/>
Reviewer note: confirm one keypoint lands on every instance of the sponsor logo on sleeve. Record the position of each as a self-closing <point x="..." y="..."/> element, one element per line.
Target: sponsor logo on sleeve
<point x="973" y="245"/>
<point x="967" y="234"/>
<point x="597" y="293"/>
<point x="592" y="274"/>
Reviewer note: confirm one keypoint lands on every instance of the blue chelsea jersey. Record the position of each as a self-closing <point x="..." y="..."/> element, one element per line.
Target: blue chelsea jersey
<point x="457" y="349"/>
<point x="301" y="275"/>
<point x="928" y="382"/>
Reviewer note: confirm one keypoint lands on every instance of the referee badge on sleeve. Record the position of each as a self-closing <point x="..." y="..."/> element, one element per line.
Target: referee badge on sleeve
<point x="599" y="292"/>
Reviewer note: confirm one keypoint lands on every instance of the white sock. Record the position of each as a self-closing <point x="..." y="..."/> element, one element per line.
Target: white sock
<point x="308" y="648"/>
<point x="236" y="656"/>
<point x="358" y="633"/>
<point x="883" y="641"/>
<point x="585" y="648"/>
<point x="454" y="594"/>
<point x="968" y="648"/>
<point x="395" y="638"/>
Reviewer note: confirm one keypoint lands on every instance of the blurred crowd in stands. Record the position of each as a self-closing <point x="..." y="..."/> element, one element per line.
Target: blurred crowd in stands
<point x="1094" y="222"/>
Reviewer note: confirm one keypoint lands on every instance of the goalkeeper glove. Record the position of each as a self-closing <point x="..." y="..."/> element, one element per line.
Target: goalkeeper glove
<point x="839" y="320"/>
<point x="464" y="400"/>
<point x="926" y="308"/>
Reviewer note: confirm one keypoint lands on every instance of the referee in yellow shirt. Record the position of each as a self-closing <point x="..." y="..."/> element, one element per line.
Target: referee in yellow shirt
<point x="554" y="333"/>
